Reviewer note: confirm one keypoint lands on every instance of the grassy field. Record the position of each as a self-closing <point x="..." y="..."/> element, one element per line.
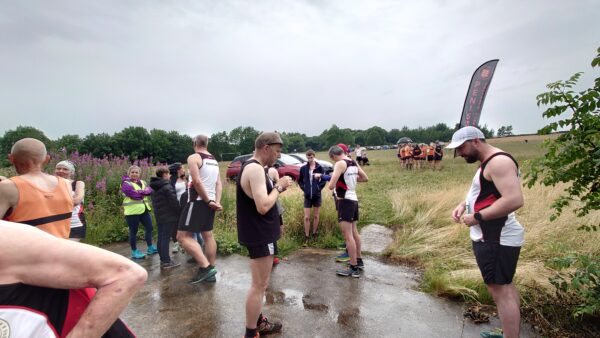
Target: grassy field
<point x="417" y="206"/>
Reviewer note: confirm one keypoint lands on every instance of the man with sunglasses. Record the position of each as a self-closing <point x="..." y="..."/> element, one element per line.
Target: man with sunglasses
<point x="259" y="226"/>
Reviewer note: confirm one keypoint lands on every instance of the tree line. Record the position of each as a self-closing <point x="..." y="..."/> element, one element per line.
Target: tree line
<point x="171" y="146"/>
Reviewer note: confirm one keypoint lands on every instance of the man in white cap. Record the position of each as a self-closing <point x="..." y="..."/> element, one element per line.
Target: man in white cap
<point x="489" y="211"/>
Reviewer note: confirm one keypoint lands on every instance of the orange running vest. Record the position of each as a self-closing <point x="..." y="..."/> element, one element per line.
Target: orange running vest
<point x="49" y="211"/>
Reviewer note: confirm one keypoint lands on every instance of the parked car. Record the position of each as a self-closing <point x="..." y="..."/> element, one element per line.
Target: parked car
<point x="286" y="166"/>
<point x="327" y="166"/>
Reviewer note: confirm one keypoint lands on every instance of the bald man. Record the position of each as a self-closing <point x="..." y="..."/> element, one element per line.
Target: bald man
<point x="34" y="197"/>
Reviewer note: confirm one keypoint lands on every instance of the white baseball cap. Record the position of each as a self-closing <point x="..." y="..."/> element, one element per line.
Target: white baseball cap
<point x="464" y="134"/>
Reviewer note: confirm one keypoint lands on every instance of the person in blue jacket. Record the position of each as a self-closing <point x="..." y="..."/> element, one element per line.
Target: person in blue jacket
<point x="311" y="182"/>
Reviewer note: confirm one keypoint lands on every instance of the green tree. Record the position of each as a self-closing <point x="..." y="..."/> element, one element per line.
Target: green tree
<point x="574" y="156"/>
<point x="181" y="147"/>
<point x="220" y="147"/>
<point x="160" y="146"/>
<point x="12" y="136"/>
<point x="70" y="143"/>
<point x="504" y="131"/>
<point x="360" y="137"/>
<point x="374" y="138"/>
<point x="293" y="142"/>
<point x="242" y="139"/>
<point x="315" y="143"/>
<point x="335" y="135"/>
<point x="133" y="142"/>
<point x="98" y="145"/>
<point x="393" y="136"/>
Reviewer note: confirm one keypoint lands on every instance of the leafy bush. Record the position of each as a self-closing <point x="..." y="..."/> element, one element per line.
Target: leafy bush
<point x="581" y="287"/>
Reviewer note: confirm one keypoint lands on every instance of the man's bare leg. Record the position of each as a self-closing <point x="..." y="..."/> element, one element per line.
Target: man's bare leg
<point x="192" y="247"/>
<point x="261" y="271"/>
<point x="306" y="222"/>
<point x="316" y="219"/>
<point x="508" y="303"/>
<point x="350" y="243"/>
<point x="357" y="240"/>
<point x="210" y="247"/>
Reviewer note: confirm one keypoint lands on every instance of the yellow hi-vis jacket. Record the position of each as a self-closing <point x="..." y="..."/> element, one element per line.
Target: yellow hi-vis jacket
<point x="136" y="207"/>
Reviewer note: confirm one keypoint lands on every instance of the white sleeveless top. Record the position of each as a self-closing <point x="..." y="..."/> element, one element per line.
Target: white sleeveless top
<point x="209" y="173"/>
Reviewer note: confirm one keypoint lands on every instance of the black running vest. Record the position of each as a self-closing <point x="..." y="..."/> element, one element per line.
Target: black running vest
<point x="253" y="228"/>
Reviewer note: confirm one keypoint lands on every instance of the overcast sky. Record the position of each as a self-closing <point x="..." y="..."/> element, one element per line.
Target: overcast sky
<point x="80" y="67"/>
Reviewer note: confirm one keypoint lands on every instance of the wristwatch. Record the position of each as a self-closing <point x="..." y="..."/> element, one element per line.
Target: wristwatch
<point x="279" y="188"/>
<point x="478" y="217"/>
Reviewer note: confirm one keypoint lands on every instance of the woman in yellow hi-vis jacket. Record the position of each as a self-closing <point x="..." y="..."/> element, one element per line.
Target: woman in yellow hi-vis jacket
<point x="137" y="207"/>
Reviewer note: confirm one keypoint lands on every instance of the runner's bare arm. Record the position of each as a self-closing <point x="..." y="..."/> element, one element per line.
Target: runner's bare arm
<point x="338" y="169"/>
<point x="194" y="162"/>
<point x="31" y="256"/>
<point x="9" y="196"/>
<point x="273" y="174"/>
<point x="458" y="211"/>
<point x="503" y="172"/>
<point x="79" y="192"/>
<point x="362" y="176"/>
<point x="219" y="192"/>
<point x="254" y="185"/>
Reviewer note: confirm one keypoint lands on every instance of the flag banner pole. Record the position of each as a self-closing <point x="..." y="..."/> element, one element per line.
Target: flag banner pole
<point x="480" y="82"/>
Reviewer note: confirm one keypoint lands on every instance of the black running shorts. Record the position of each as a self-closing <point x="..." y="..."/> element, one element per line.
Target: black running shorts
<point x="78" y="232"/>
<point x="196" y="216"/>
<point x="315" y="201"/>
<point x="260" y="251"/>
<point x="496" y="262"/>
<point x="347" y="210"/>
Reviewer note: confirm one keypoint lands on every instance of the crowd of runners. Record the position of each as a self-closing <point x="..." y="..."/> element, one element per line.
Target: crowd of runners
<point x="73" y="276"/>
<point x="415" y="156"/>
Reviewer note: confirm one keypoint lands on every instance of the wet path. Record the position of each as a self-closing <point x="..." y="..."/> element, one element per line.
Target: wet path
<point x="305" y="294"/>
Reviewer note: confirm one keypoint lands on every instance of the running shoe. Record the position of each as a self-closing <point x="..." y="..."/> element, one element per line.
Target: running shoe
<point x="342" y="246"/>
<point x="203" y="274"/>
<point x="275" y="261"/>
<point x="492" y="334"/>
<point x="359" y="264"/>
<point x="151" y="250"/>
<point x="265" y="327"/>
<point x="212" y="279"/>
<point x="349" y="272"/>
<point x="137" y="254"/>
<point x="343" y="257"/>
<point x="169" y="265"/>
<point x="306" y="239"/>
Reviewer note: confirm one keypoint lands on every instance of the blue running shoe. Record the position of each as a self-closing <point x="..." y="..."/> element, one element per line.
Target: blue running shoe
<point x="151" y="250"/>
<point x="137" y="254"/>
<point x="343" y="257"/>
